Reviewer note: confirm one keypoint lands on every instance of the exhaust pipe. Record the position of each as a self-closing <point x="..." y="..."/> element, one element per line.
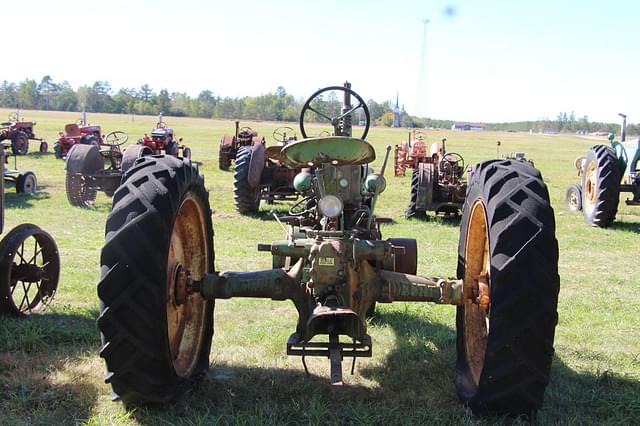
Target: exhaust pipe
<point x="623" y="129"/>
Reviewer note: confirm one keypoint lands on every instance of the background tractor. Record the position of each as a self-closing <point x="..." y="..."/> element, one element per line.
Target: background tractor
<point x="85" y="134"/>
<point x="29" y="266"/>
<point x="19" y="132"/>
<point x="230" y="144"/>
<point x="261" y="174"/>
<point x="162" y="141"/>
<point x="158" y="279"/>
<point x="606" y="171"/>
<point x="437" y="182"/>
<point x="23" y="181"/>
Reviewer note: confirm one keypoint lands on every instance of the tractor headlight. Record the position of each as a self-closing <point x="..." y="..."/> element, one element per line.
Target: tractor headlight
<point x="330" y="206"/>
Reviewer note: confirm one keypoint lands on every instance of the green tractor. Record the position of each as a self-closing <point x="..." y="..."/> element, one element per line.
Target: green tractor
<point x="606" y="172"/>
<point x="159" y="284"/>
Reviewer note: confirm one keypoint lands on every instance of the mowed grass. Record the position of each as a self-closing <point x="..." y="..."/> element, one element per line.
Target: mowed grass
<point x="50" y="371"/>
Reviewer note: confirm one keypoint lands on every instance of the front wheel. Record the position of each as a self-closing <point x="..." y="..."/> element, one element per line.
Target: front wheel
<point x="508" y="259"/>
<point x="26" y="183"/>
<point x="573" y="197"/>
<point x="156" y="336"/>
<point x="44" y="147"/>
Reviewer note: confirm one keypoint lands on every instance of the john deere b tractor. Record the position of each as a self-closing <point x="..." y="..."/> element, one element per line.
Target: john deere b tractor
<point x="606" y="171"/>
<point x="159" y="283"/>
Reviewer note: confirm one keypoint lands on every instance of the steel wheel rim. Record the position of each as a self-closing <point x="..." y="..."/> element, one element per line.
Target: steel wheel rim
<point x="31" y="274"/>
<point x="573" y="200"/>
<point x="477" y="262"/>
<point x="186" y="321"/>
<point x="590" y="184"/>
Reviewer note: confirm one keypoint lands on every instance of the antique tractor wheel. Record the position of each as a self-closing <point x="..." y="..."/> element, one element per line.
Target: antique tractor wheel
<point x="600" y="186"/>
<point x="156" y="334"/>
<point x="81" y="161"/>
<point x="246" y="178"/>
<point x="509" y="262"/>
<point x="44" y="146"/>
<point x="421" y="179"/>
<point x="186" y="152"/>
<point x="26" y="183"/>
<point x="224" y="158"/>
<point x="57" y="150"/>
<point x="29" y="270"/>
<point x="19" y="143"/>
<point x="573" y="197"/>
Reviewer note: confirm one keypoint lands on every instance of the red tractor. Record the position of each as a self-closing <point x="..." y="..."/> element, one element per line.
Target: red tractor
<point x="437" y="182"/>
<point x="19" y="132"/>
<point x="162" y="141"/>
<point x="29" y="266"/>
<point x="230" y="144"/>
<point x="81" y="133"/>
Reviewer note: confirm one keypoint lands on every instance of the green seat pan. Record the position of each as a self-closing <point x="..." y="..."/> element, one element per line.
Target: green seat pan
<point x="337" y="150"/>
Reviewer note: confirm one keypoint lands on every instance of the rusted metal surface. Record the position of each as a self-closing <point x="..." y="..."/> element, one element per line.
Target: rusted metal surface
<point x="476" y="290"/>
<point x="187" y="257"/>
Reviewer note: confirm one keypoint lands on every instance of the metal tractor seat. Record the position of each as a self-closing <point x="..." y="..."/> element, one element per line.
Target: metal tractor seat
<point x="337" y="150"/>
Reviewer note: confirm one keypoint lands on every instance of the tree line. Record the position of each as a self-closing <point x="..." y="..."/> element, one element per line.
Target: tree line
<point x="274" y="106"/>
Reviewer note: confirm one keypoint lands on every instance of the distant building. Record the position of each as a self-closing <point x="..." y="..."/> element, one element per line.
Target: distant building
<point x="464" y="125"/>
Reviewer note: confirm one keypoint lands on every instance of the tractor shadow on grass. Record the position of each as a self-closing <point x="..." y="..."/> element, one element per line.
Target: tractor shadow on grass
<point x="415" y="385"/>
<point x="449" y="220"/>
<point x="44" y="374"/>
<point x="626" y="226"/>
<point x="13" y="200"/>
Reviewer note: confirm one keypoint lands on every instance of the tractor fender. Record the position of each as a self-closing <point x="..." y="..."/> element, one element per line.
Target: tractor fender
<point x="425" y="200"/>
<point x="255" y="140"/>
<point x="227" y="141"/>
<point x="84" y="159"/>
<point x="132" y="153"/>
<point x="256" y="165"/>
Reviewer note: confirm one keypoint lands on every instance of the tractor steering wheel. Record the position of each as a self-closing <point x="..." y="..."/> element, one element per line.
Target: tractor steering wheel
<point x="284" y="134"/>
<point x="455" y="159"/>
<point x="161" y="125"/>
<point x="245" y="130"/>
<point x="116" y="138"/>
<point x="335" y="121"/>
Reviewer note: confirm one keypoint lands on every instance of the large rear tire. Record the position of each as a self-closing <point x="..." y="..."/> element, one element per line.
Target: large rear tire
<point x="412" y="210"/>
<point x="246" y="198"/>
<point x="131" y="154"/>
<point x="600" y="186"/>
<point x="156" y="342"/>
<point x="224" y="159"/>
<point x="19" y="143"/>
<point x="79" y="193"/>
<point x="507" y="242"/>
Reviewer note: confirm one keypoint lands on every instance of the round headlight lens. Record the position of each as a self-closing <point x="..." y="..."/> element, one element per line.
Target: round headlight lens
<point x="330" y="206"/>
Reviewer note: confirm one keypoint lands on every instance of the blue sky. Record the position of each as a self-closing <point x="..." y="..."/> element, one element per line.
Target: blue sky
<point x="485" y="60"/>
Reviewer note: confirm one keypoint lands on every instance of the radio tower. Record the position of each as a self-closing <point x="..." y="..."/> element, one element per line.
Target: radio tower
<point x="421" y="110"/>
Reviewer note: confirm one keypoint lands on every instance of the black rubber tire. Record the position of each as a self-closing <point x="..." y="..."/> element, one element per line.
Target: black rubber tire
<point x="44" y="146"/>
<point x="412" y="210"/>
<point x="603" y="212"/>
<point x="90" y="140"/>
<point x="27" y="183"/>
<point x="19" y="143"/>
<point x="78" y="193"/>
<point x="224" y="160"/>
<point x="246" y="199"/>
<point x="57" y="150"/>
<point x="132" y="154"/>
<point x="524" y="285"/>
<point x="171" y="149"/>
<point x="133" y="283"/>
<point x="186" y="152"/>
<point x="573" y="197"/>
<point x="14" y="254"/>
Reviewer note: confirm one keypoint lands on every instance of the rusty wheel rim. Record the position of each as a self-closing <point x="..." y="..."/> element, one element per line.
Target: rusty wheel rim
<point x="477" y="261"/>
<point x="590" y="184"/>
<point x="573" y="200"/>
<point x="188" y="251"/>
<point x="32" y="284"/>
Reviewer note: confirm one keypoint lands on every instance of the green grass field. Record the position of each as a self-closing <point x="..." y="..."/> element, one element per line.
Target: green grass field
<point x="50" y="371"/>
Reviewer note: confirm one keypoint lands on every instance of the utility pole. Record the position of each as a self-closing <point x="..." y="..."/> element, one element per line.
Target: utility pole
<point x="421" y="110"/>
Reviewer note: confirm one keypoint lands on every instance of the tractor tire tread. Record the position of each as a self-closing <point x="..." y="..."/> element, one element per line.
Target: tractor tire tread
<point x="246" y="199"/>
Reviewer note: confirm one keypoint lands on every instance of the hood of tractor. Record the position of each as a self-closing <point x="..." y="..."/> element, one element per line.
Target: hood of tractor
<point x="337" y="150"/>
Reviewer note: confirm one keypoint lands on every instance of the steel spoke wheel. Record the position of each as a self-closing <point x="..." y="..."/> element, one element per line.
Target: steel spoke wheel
<point x="29" y="270"/>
